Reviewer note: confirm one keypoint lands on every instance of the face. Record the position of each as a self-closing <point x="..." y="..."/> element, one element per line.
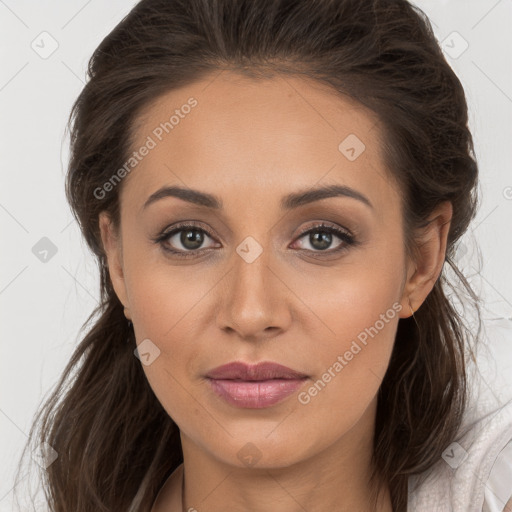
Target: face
<point x="274" y="272"/>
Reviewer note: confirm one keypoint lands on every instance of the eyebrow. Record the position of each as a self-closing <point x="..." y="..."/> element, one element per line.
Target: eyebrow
<point x="288" y="202"/>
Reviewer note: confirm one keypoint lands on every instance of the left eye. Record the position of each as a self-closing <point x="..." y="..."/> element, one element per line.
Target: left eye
<point x="321" y="236"/>
<point x="192" y="237"/>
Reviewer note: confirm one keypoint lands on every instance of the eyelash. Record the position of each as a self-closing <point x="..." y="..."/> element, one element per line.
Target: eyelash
<point x="348" y="239"/>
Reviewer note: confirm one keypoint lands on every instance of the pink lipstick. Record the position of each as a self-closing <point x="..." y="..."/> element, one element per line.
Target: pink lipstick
<point x="254" y="386"/>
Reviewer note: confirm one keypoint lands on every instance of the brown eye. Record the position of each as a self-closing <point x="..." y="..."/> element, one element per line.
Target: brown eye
<point x="191" y="239"/>
<point x="321" y="238"/>
<point x="184" y="240"/>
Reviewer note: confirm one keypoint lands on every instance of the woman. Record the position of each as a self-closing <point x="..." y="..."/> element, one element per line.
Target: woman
<point x="271" y="189"/>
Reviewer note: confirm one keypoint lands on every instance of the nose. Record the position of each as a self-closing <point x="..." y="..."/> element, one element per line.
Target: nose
<point x="253" y="299"/>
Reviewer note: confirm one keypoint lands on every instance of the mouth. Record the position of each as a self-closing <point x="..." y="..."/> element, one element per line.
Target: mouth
<point x="255" y="386"/>
<point x="257" y="372"/>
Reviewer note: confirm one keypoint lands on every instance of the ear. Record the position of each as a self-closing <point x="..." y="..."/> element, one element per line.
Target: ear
<point x="424" y="271"/>
<point x="112" y="246"/>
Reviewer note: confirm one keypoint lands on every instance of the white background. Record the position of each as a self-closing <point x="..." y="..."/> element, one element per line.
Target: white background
<point x="43" y="304"/>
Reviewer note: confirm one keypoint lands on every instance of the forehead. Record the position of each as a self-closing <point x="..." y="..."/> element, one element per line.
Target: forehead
<point x="227" y="134"/>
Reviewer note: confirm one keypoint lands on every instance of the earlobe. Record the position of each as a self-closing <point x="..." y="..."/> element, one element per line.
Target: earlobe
<point x="431" y="253"/>
<point x="113" y="253"/>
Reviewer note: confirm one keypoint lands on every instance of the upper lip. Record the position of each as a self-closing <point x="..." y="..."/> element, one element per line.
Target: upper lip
<point x="261" y="371"/>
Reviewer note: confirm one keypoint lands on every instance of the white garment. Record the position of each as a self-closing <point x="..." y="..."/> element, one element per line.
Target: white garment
<point x="475" y="471"/>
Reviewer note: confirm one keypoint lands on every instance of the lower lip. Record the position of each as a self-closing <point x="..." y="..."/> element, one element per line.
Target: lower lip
<point x="255" y="394"/>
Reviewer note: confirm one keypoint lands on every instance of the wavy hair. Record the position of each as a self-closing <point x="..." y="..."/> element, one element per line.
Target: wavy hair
<point x="116" y="444"/>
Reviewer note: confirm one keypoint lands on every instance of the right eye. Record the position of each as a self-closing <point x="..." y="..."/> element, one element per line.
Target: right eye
<point x="189" y="235"/>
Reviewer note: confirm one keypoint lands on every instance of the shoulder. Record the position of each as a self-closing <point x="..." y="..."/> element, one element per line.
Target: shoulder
<point x="474" y="473"/>
<point x="475" y="470"/>
<point x="169" y="496"/>
<point x="498" y="489"/>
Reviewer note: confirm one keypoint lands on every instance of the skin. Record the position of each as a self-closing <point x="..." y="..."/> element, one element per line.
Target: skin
<point x="250" y="143"/>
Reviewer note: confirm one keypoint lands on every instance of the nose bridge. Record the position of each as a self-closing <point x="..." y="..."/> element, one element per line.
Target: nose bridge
<point x="251" y="280"/>
<point x="250" y="301"/>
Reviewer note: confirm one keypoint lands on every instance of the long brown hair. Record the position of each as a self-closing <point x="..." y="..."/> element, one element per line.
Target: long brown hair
<point x="116" y="444"/>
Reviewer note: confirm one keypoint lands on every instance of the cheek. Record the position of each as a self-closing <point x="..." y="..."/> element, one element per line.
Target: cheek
<point x="162" y="296"/>
<point x="166" y="303"/>
<point x="355" y="314"/>
<point x="340" y="303"/>
<point x="351" y="365"/>
<point x="166" y="307"/>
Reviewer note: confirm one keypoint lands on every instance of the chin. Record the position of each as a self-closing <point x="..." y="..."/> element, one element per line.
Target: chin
<point x="260" y="452"/>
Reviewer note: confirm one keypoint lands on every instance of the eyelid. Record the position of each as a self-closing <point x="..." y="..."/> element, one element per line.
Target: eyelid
<point x="325" y="224"/>
<point x="196" y="224"/>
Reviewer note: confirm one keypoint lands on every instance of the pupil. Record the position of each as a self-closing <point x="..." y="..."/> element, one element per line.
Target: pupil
<point x="192" y="239"/>
<point x="323" y="237"/>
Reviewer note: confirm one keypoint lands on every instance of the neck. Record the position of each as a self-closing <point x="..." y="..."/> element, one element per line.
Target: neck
<point x="336" y="478"/>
